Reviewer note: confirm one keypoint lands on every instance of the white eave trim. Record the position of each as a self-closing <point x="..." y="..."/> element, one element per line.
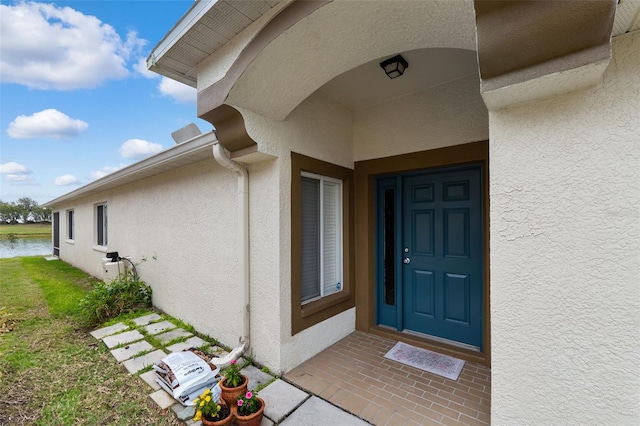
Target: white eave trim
<point x="188" y="21"/>
<point x="202" y="142"/>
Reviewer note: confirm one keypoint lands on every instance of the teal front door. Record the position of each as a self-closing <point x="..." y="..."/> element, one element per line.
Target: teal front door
<point x="430" y="254"/>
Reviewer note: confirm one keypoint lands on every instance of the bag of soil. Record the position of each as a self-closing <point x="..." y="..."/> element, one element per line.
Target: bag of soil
<point x="185" y="375"/>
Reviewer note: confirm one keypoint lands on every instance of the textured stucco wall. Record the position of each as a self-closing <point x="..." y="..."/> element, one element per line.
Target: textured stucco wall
<point x="565" y="253"/>
<point x="450" y="114"/>
<point x="184" y="223"/>
<point x="321" y="128"/>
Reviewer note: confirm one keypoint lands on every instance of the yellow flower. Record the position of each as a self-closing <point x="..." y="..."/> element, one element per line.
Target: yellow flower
<point x="198" y="416"/>
<point x="207" y="391"/>
<point x="207" y="398"/>
<point x="202" y="403"/>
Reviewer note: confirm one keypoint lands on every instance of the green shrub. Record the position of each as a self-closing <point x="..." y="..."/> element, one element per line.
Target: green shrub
<point x="108" y="300"/>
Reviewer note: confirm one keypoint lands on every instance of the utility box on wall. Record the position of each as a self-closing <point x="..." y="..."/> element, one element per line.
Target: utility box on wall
<point x="111" y="270"/>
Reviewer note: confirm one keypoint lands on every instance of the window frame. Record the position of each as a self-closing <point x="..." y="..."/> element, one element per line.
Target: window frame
<point x="308" y="313"/>
<point x="71" y="225"/>
<point x="339" y="237"/>
<point x="101" y="245"/>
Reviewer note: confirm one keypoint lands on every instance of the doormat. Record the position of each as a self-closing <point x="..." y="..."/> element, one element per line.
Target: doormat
<point x="442" y="365"/>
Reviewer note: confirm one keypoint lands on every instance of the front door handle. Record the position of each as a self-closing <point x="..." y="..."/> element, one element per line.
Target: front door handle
<point x="406" y="260"/>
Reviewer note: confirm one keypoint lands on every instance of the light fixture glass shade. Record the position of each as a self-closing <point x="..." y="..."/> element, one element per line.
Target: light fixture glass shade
<point x="394" y="67"/>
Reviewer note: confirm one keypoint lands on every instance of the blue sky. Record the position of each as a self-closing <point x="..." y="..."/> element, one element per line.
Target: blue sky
<point x="76" y="99"/>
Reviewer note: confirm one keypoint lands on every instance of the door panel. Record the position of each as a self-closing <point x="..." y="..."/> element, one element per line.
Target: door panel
<point x="443" y="234"/>
<point x="424" y="293"/>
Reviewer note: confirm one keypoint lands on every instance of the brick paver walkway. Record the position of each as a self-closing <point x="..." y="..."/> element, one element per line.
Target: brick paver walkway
<point x="354" y="375"/>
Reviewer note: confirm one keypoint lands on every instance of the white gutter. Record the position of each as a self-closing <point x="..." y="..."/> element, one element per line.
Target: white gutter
<point x="188" y="152"/>
<point x="243" y="235"/>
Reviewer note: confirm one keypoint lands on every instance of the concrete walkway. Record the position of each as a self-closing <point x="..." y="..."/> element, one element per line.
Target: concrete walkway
<point x="285" y="403"/>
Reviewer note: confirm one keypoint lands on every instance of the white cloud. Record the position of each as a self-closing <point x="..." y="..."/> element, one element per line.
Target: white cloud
<point x="178" y="91"/>
<point x="106" y="170"/>
<point x="141" y="68"/>
<point x="138" y="149"/>
<point x="13" y="168"/>
<point x="66" y="180"/>
<point x="11" y="177"/>
<point x="49" y="123"/>
<point x="49" y="47"/>
<point x="16" y="173"/>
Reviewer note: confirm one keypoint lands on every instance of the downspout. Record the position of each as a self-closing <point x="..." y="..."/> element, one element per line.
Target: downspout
<point x="243" y="234"/>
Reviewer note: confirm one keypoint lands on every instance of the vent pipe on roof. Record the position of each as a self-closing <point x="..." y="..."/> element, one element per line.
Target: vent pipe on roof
<point x="243" y="235"/>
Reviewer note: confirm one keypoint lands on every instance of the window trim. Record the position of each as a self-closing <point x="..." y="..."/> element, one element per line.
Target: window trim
<point x="105" y="226"/>
<point x="71" y="225"/>
<point x="315" y="311"/>
<point x="340" y="238"/>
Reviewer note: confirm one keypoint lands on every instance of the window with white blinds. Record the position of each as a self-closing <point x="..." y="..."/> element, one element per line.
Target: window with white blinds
<point x="321" y="256"/>
<point x="101" y="224"/>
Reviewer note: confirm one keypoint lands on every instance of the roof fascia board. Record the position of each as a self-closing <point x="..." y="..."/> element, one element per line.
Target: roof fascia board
<point x="196" y="144"/>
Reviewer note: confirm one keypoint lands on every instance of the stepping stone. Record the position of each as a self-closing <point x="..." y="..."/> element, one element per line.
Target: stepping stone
<point x="123" y="354"/>
<point x="192" y="342"/>
<point x="136" y="364"/>
<point x="147" y="319"/>
<point x="150" y="378"/>
<point x="184" y="413"/>
<point x="256" y="376"/>
<point x="281" y="398"/>
<point x="159" y="327"/>
<point x="163" y="399"/>
<point x="318" y="412"/>
<point x="173" y="334"/>
<point x="122" y="338"/>
<point x="108" y="331"/>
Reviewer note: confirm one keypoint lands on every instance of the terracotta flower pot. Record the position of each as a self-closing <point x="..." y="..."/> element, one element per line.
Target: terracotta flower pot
<point x="230" y="395"/>
<point x="226" y="421"/>
<point x="252" y="419"/>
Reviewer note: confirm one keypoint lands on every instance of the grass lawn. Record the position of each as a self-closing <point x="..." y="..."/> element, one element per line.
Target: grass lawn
<point x="21" y="230"/>
<point x="52" y="372"/>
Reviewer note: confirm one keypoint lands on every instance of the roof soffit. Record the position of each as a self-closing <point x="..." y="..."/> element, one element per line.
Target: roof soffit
<point x="206" y="27"/>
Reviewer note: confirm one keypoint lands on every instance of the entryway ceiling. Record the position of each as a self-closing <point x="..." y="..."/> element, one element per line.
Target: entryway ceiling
<point x="368" y="85"/>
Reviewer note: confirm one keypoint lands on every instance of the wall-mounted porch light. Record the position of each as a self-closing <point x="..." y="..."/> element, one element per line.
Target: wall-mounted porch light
<point x="394" y="67"/>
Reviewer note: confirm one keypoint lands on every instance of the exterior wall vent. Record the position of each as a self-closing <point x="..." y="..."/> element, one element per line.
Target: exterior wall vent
<point x="627" y="17"/>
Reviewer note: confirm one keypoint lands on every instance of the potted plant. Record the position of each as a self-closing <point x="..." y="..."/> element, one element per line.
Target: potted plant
<point x="234" y="384"/>
<point x="249" y="410"/>
<point x="211" y="412"/>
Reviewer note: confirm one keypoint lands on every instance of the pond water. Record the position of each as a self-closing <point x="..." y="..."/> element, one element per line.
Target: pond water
<point x="26" y="247"/>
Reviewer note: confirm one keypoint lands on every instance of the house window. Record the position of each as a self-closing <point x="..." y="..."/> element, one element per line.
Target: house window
<point x="322" y="254"/>
<point x="70" y="223"/>
<point x="321" y="236"/>
<point x="101" y="224"/>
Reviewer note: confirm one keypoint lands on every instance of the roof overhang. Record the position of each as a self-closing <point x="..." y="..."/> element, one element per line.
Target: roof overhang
<point x="189" y="152"/>
<point x="206" y="27"/>
<point x="534" y="49"/>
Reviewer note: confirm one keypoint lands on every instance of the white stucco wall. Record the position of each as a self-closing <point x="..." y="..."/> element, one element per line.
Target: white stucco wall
<point x="450" y="114"/>
<point x="320" y="128"/>
<point x="184" y="223"/>
<point x="565" y="253"/>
